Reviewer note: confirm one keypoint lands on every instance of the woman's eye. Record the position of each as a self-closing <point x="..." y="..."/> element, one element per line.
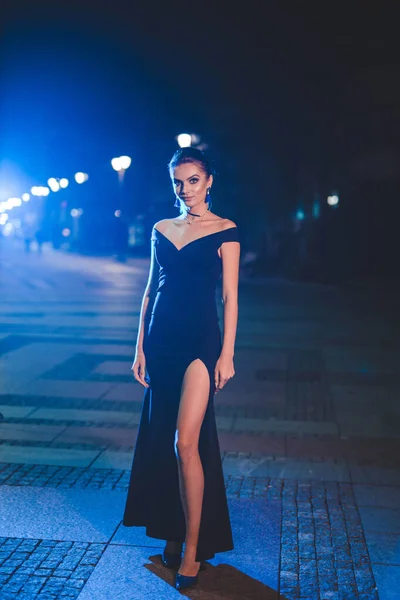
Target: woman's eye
<point x="193" y="180"/>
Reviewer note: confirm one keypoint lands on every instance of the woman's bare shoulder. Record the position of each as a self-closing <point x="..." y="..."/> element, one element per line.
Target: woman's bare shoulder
<point x="222" y="222"/>
<point x="227" y="224"/>
<point x="162" y="224"/>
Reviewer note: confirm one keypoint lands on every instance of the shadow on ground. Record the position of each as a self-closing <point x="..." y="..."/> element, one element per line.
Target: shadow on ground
<point x="220" y="582"/>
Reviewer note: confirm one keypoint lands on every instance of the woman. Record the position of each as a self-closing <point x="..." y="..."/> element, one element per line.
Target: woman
<point x="177" y="487"/>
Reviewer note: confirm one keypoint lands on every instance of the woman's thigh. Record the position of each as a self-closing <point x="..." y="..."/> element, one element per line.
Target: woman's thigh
<point x="193" y="402"/>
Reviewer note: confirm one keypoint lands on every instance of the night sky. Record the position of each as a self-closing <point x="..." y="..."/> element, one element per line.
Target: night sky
<point x="282" y="93"/>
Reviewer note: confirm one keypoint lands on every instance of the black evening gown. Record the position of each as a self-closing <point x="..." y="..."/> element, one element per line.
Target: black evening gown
<point x="183" y="326"/>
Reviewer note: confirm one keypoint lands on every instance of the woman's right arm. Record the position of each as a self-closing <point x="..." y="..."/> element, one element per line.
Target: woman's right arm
<point x="148" y="296"/>
<point x="139" y="364"/>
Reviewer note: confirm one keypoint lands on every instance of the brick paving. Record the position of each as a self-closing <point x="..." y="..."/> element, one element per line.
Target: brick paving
<point x="323" y="548"/>
<point x="45" y="569"/>
<point x="308" y="428"/>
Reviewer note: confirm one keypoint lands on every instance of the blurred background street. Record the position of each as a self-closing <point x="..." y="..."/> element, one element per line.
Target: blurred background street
<point x="298" y="109"/>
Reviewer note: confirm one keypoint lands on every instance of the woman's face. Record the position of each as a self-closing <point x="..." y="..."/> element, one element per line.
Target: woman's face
<point x="190" y="183"/>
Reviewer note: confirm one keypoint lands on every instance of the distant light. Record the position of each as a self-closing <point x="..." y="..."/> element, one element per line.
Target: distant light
<point x="3" y="218"/>
<point x="8" y="229"/>
<point x="300" y="215"/>
<point x="54" y="185"/>
<point x="80" y="211"/>
<point x="333" y="200"/>
<point x="195" y="138"/>
<point x="66" y="232"/>
<point x="117" y="213"/>
<point x="125" y="162"/>
<point x="26" y="197"/>
<point x="64" y="204"/>
<point x="74" y="212"/>
<point x="121" y="163"/>
<point x="63" y="182"/>
<point x="184" y="140"/>
<point x="81" y="177"/>
<point x="316" y="209"/>
<point x="12" y="202"/>
<point x="40" y="190"/>
<point x="116" y="164"/>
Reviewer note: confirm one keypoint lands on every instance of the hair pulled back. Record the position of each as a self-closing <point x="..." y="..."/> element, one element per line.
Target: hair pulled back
<point x="191" y="155"/>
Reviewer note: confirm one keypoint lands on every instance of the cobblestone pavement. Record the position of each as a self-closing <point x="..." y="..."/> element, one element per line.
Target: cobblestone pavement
<point x="45" y="569"/>
<point x="309" y="436"/>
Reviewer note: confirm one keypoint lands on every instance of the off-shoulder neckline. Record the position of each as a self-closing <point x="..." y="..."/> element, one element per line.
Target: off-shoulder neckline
<point x="195" y="240"/>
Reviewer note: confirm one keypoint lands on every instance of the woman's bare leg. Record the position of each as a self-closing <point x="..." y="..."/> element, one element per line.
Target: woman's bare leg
<point x="193" y="404"/>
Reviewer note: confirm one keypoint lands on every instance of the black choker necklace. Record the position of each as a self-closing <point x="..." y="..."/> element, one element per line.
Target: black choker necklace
<point x="195" y="215"/>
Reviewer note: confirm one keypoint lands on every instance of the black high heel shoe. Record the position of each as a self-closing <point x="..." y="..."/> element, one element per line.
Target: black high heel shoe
<point x="171" y="561"/>
<point x="184" y="581"/>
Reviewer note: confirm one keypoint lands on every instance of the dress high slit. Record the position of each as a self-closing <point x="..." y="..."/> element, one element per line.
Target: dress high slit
<point x="183" y="326"/>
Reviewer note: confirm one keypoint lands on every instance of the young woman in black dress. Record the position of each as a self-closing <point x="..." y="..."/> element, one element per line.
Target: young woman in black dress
<point x="177" y="487"/>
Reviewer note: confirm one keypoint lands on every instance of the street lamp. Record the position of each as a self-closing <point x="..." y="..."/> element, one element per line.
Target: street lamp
<point x="56" y="184"/>
<point x="81" y="177"/>
<point x="333" y="200"/>
<point x="12" y="202"/>
<point x="184" y="140"/>
<point x="120" y="164"/>
<point x="53" y="184"/>
<point x="125" y="162"/>
<point x="40" y="190"/>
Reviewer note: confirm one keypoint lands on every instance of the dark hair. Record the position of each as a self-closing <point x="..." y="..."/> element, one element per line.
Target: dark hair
<point x="190" y="155"/>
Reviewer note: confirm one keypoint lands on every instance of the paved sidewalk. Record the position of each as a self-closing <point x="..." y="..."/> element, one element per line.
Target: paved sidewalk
<point x="309" y="435"/>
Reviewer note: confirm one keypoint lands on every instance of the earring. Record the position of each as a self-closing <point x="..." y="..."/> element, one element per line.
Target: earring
<point x="177" y="203"/>
<point x="208" y="198"/>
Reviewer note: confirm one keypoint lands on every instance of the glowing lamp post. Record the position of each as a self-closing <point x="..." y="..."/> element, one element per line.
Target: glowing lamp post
<point x="184" y="140"/>
<point x="75" y="214"/>
<point x="40" y="190"/>
<point x="121" y="164"/>
<point x="56" y="184"/>
<point x="333" y="200"/>
<point x="14" y="202"/>
<point x="53" y="184"/>
<point x="81" y="177"/>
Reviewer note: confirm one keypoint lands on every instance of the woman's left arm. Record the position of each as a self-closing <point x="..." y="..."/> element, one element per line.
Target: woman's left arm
<point x="230" y="255"/>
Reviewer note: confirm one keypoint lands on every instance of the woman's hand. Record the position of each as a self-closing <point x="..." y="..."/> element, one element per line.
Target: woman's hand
<point x="224" y="371"/>
<point x="139" y="368"/>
